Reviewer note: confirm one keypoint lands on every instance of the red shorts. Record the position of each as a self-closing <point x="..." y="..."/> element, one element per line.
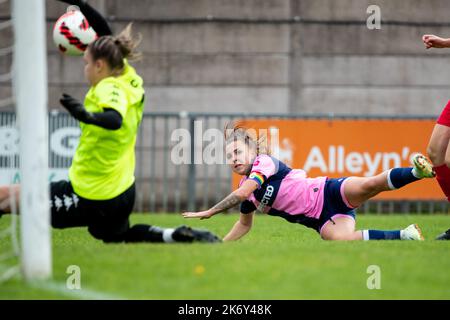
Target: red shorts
<point x="444" y="118"/>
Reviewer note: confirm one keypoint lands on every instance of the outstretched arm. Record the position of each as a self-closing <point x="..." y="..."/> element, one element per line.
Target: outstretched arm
<point x="108" y="119"/>
<point x="240" y="228"/>
<point x="432" y="41"/>
<point x="232" y="200"/>
<point x="95" y="19"/>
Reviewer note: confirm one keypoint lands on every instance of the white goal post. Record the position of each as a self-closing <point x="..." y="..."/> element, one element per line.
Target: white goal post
<point x="30" y="89"/>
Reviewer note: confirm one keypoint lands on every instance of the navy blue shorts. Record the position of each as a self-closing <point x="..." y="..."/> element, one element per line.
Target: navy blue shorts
<point x="334" y="204"/>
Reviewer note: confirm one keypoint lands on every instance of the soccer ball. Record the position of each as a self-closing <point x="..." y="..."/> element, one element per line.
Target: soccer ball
<point x="72" y="33"/>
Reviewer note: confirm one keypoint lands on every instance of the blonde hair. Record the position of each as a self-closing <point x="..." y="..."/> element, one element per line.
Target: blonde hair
<point x="257" y="139"/>
<point x="114" y="49"/>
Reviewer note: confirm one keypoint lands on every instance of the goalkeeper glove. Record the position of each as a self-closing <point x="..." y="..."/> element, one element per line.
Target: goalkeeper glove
<point x="75" y="108"/>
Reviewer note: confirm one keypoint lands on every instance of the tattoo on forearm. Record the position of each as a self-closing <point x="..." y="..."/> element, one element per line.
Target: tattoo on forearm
<point x="229" y="202"/>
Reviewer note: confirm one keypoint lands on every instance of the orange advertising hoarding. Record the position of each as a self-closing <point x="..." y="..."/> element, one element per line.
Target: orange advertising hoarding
<point x="342" y="148"/>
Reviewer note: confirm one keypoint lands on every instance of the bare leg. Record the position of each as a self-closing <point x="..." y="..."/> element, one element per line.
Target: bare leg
<point x="357" y="190"/>
<point x="343" y="228"/>
<point x="7" y="193"/>
<point x="439" y="152"/>
<point x="437" y="149"/>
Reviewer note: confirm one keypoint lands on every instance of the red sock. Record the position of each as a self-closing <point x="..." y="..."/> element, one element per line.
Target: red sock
<point x="443" y="177"/>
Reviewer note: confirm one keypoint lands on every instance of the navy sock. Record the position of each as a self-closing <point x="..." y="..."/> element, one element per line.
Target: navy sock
<point x="399" y="177"/>
<point x="381" y="235"/>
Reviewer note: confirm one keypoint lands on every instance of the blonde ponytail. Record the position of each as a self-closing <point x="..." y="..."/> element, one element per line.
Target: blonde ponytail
<point x="114" y="49"/>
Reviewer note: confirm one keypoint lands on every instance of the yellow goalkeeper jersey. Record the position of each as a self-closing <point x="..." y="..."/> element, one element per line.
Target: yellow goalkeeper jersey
<point x="104" y="161"/>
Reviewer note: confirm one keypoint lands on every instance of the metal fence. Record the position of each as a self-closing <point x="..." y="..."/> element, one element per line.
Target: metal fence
<point x="162" y="184"/>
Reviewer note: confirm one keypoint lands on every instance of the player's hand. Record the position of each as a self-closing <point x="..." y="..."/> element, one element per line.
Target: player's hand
<point x="432" y="41"/>
<point x="201" y="214"/>
<point x="75" y="107"/>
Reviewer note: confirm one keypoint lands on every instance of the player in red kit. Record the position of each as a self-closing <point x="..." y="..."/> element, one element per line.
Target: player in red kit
<point x="438" y="147"/>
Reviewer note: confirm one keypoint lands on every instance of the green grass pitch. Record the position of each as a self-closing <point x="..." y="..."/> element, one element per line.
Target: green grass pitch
<point x="276" y="260"/>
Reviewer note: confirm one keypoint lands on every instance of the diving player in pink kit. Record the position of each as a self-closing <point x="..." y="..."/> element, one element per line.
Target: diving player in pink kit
<point x="324" y="204"/>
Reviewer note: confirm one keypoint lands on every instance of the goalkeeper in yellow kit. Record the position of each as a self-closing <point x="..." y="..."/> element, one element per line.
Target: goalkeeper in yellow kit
<point x="100" y="192"/>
